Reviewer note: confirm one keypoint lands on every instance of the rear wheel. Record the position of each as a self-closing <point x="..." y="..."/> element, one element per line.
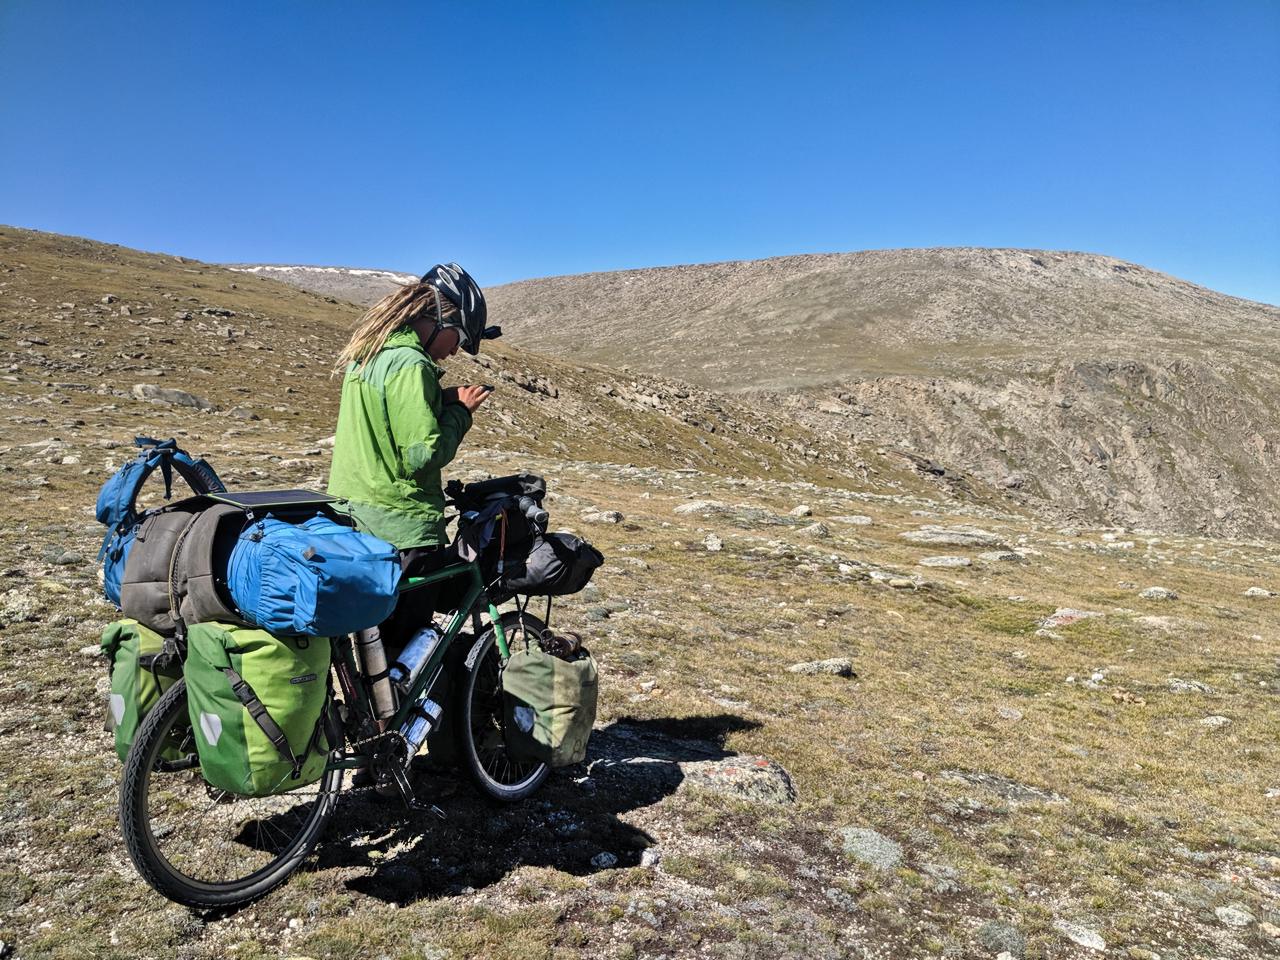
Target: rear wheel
<point x="483" y="749"/>
<point x="204" y="847"/>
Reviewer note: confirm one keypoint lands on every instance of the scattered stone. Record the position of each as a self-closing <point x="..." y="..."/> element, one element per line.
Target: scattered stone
<point x="651" y="857"/>
<point x="741" y="777"/>
<point x="17" y="607"/>
<point x="1258" y="593"/>
<point x="1080" y="934"/>
<point x="1158" y="593"/>
<point x="960" y="536"/>
<point x="817" y="530"/>
<point x="1003" y="937"/>
<point x="803" y="510"/>
<point x="1011" y="790"/>
<point x="1009" y="713"/>
<point x="856" y="519"/>
<point x="901" y="583"/>
<point x="1065" y="616"/>
<point x="699" y="506"/>
<point x="836" y="667"/>
<point x="149" y="391"/>
<point x="870" y="847"/>
<point x="1234" y="915"/>
<point x="109" y="298"/>
<point x="713" y="543"/>
<point x="602" y="516"/>
<point x="945" y="562"/>
<point x="604" y="860"/>
<point x="243" y="413"/>
<point x="326" y="442"/>
<point x="1214" y="722"/>
<point x="1178" y="685"/>
<point x="90" y="650"/>
<point x="1002" y="556"/>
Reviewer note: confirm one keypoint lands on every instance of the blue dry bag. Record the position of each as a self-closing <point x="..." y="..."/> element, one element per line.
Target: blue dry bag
<point x="316" y="578"/>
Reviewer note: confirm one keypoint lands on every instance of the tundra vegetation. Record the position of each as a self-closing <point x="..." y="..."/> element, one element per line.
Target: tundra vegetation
<point x="850" y="706"/>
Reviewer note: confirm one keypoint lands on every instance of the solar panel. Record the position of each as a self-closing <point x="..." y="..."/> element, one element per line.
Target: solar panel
<point x="272" y="498"/>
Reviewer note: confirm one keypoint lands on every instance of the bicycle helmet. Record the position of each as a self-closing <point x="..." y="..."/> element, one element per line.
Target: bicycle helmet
<point x="455" y="285"/>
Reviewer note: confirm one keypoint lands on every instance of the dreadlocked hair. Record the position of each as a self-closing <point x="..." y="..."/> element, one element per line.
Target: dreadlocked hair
<point x="411" y="302"/>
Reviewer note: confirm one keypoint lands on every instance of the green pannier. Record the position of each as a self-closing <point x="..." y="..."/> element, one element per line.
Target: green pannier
<point x="257" y="704"/>
<point x="549" y="705"/>
<point x="140" y="674"/>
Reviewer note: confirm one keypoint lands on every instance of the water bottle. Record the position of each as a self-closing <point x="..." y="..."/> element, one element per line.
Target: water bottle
<point x="414" y="657"/>
<point x="424" y="716"/>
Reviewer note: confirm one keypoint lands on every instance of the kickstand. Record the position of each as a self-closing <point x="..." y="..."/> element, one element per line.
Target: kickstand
<point x="407" y="794"/>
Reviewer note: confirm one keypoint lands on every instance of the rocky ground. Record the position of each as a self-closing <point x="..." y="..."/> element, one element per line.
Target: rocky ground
<point x="849" y="707"/>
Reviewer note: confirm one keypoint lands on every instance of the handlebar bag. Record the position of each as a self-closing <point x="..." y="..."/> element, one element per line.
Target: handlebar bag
<point x="555" y="564"/>
<point x="141" y="671"/>
<point x="257" y="705"/>
<point x="549" y="705"/>
<point x="316" y="578"/>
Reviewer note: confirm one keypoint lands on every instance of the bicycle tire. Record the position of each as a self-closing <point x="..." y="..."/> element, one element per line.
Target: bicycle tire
<point x="167" y="718"/>
<point x="479" y="729"/>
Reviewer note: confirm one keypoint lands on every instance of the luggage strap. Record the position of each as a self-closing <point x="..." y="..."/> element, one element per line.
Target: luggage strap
<point x="244" y="693"/>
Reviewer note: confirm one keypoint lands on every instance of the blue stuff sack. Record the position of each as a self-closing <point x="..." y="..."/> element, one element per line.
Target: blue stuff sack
<point x="317" y="578"/>
<point x="117" y="507"/>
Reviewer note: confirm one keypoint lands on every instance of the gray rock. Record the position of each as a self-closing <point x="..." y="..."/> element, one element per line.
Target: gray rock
<point x="870" y="847"/>
<point x="945" y="562"/>
<point x="602" y="516"/>
<point x="958" y="536"/>
<point x="17" y="607"/>
<point x="1214" y="722"/>
<point x="742" y="777"/>
<point x="604" y="860"/>
<point x="1003" y="937"/>
<point x="1065" y="616"/>
<point x="1178" y="685"/>
<point x="713" y="543"/>
<point x="326" y="442"/>
<point x="1234" y="915"/>
<point x="856" y="519"/>
<point x="180" y="398"/>
<point x="1158" y="593"/>
<point x="651" y="857"/>
<point x="803" y="510"/>
<point x="1258" y="593"/>
<point x="699" y="506"/>
<point x="1002" y="556"/>
<point x="816" y="530"/>
<point x="836" y="667"/>
<point x="1080" y="934"/>
<point x="243" y="413"/>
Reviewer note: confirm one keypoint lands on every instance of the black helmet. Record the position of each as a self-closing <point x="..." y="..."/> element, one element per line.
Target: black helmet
<point x="455" y="285"/>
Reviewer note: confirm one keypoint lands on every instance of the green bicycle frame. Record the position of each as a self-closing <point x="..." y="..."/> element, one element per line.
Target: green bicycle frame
<point x="429" y="670"/>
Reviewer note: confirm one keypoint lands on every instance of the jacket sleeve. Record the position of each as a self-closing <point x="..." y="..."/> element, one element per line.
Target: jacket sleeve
<point x="426" y="431"/>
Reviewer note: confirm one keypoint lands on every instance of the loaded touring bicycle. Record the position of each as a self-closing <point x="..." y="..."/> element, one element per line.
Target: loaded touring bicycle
<point x="236" y="741"/>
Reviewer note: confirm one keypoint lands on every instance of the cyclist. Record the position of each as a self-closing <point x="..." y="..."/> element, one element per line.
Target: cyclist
<point x="397" y="428"/>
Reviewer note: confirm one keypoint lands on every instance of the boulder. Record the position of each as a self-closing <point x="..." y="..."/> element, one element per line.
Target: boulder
<point x="945" y="562"/>
<point x="836" y="667"/>
<point x="180" y="398"/>
<point x="957" y="536"/>
<point x="741" y="778"/>
<point x="1158" y="593"/>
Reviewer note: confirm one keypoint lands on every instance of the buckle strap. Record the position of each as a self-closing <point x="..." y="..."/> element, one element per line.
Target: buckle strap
<point x="244" y="693"/>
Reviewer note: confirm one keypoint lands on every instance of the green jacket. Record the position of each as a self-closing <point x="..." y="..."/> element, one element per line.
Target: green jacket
<point x="394" y="435"/>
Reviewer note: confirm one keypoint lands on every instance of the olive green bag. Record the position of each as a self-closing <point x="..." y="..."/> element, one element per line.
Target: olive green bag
<point x="549" y="705"/>
<point x="140" y="674"/>
<point x="257" y="704"/>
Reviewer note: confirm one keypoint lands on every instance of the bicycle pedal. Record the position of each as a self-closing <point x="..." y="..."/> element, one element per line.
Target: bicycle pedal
<point x="410" y="798"/>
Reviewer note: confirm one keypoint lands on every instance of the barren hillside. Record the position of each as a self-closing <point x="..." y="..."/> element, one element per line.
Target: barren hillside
<point x="1096" y="388"/>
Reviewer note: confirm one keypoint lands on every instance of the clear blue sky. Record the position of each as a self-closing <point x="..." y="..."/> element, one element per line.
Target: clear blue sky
<point x="527" y="139"/>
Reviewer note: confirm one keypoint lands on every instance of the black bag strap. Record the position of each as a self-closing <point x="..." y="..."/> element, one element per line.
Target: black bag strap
<point x="244" y="693"/>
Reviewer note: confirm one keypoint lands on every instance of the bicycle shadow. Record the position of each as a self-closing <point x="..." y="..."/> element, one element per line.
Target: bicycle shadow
<point x="572" y="824"/>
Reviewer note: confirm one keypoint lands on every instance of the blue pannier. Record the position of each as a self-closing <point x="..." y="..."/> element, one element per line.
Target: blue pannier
<point x="316" y="578"/>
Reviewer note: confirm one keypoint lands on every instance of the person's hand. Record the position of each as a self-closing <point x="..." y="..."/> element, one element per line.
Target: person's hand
<point x="470" y="396"/>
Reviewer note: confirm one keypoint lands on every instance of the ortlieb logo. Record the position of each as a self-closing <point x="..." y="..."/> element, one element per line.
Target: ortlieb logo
<point x="305" y="678"/>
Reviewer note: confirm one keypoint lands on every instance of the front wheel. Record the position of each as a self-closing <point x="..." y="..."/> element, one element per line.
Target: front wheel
<point x="483" y="749"/>
<point x="204" y="847"/>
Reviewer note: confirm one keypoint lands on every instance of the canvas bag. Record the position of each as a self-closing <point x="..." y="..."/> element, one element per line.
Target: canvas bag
<point x="257" y="706"/>
<point x="549" y="705"/>
<point x="140" y="673"/>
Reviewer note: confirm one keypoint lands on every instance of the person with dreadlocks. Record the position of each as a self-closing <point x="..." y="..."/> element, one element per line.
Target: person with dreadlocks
<point x="397" y="429"/>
